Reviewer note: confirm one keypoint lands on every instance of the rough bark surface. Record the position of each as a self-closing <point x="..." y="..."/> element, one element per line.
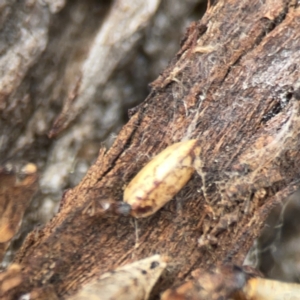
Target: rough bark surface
<point x="234" y="86"/>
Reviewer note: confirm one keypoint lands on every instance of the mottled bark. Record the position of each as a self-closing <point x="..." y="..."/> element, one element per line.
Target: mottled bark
<point x="233" y="85"/>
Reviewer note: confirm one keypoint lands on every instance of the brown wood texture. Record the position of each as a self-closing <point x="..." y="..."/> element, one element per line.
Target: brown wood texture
<point x="233" y="86"/>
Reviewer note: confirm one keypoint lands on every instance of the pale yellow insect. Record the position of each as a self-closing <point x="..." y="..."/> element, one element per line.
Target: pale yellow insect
<point x="162" y="178"/>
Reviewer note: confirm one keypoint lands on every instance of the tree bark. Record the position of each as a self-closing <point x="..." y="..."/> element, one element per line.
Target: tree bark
<point x="234" y="86"/>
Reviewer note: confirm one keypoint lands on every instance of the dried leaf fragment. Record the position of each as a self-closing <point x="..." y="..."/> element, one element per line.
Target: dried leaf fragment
<point x="16" y="191"/>
<point x="266" y="289"/>
<point x="130" y="282"/>
<point x="10" y="279"/>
